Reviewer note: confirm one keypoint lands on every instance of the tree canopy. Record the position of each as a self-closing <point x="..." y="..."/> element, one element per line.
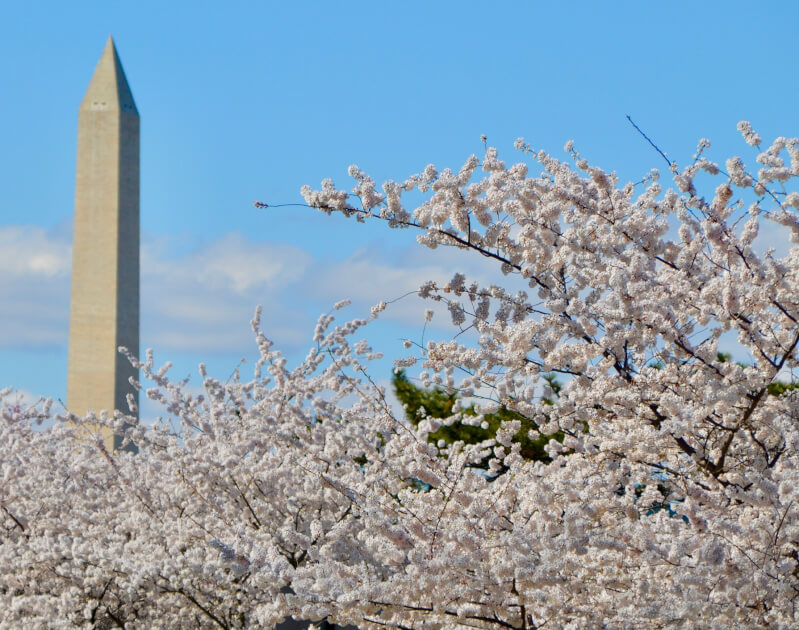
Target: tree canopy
<point x="656" y="486"/>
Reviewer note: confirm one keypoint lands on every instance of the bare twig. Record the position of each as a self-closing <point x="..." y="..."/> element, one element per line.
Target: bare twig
<point x="654" y="146"/>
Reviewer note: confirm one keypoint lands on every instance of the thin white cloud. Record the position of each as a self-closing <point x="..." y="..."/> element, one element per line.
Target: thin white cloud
<point x="199" y="301"/>
<point x="34" y="285"/>
<point x="33" y="252"/>
<point x="773" y="235"/>
<point x="231" y="263"/>
<point x="202" y="301"/>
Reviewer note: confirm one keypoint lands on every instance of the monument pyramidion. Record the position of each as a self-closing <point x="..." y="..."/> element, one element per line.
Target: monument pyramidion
<point x="104" y="310"/>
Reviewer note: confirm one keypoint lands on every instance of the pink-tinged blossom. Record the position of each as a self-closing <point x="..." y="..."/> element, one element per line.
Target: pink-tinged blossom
<point x="751" y="137"/>
<point x="670" y="496"/>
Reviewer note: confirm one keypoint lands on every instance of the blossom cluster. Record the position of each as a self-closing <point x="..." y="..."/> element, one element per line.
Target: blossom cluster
<point x="670" y="498"/>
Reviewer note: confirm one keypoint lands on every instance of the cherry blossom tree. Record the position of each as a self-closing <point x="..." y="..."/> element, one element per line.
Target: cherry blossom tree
<point x="668" y="499"/>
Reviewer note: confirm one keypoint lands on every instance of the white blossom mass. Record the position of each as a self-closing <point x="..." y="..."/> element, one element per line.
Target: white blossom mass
<point x="668" y="495"/>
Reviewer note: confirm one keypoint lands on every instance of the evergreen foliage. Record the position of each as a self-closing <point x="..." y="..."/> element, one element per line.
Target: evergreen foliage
<point x="436" y="402"/>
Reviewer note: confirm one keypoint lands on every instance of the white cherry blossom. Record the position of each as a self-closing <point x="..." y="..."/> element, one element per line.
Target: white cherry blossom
<point x="671" y="498"/>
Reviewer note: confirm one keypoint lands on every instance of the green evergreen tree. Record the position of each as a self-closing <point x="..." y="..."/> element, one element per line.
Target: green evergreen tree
<point x="438" y="403"/>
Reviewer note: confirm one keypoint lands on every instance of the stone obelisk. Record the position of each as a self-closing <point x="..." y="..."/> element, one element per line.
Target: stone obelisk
<point x="104" y="312"/>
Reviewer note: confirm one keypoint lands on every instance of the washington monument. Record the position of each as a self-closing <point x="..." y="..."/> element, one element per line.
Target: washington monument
<point x="104" y="311"/>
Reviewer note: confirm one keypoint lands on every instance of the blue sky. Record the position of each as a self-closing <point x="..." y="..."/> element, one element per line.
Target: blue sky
<point x="243" y="101"/>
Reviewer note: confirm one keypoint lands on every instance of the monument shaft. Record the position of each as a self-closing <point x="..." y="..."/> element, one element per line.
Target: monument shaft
<point x="104" y="312"/>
